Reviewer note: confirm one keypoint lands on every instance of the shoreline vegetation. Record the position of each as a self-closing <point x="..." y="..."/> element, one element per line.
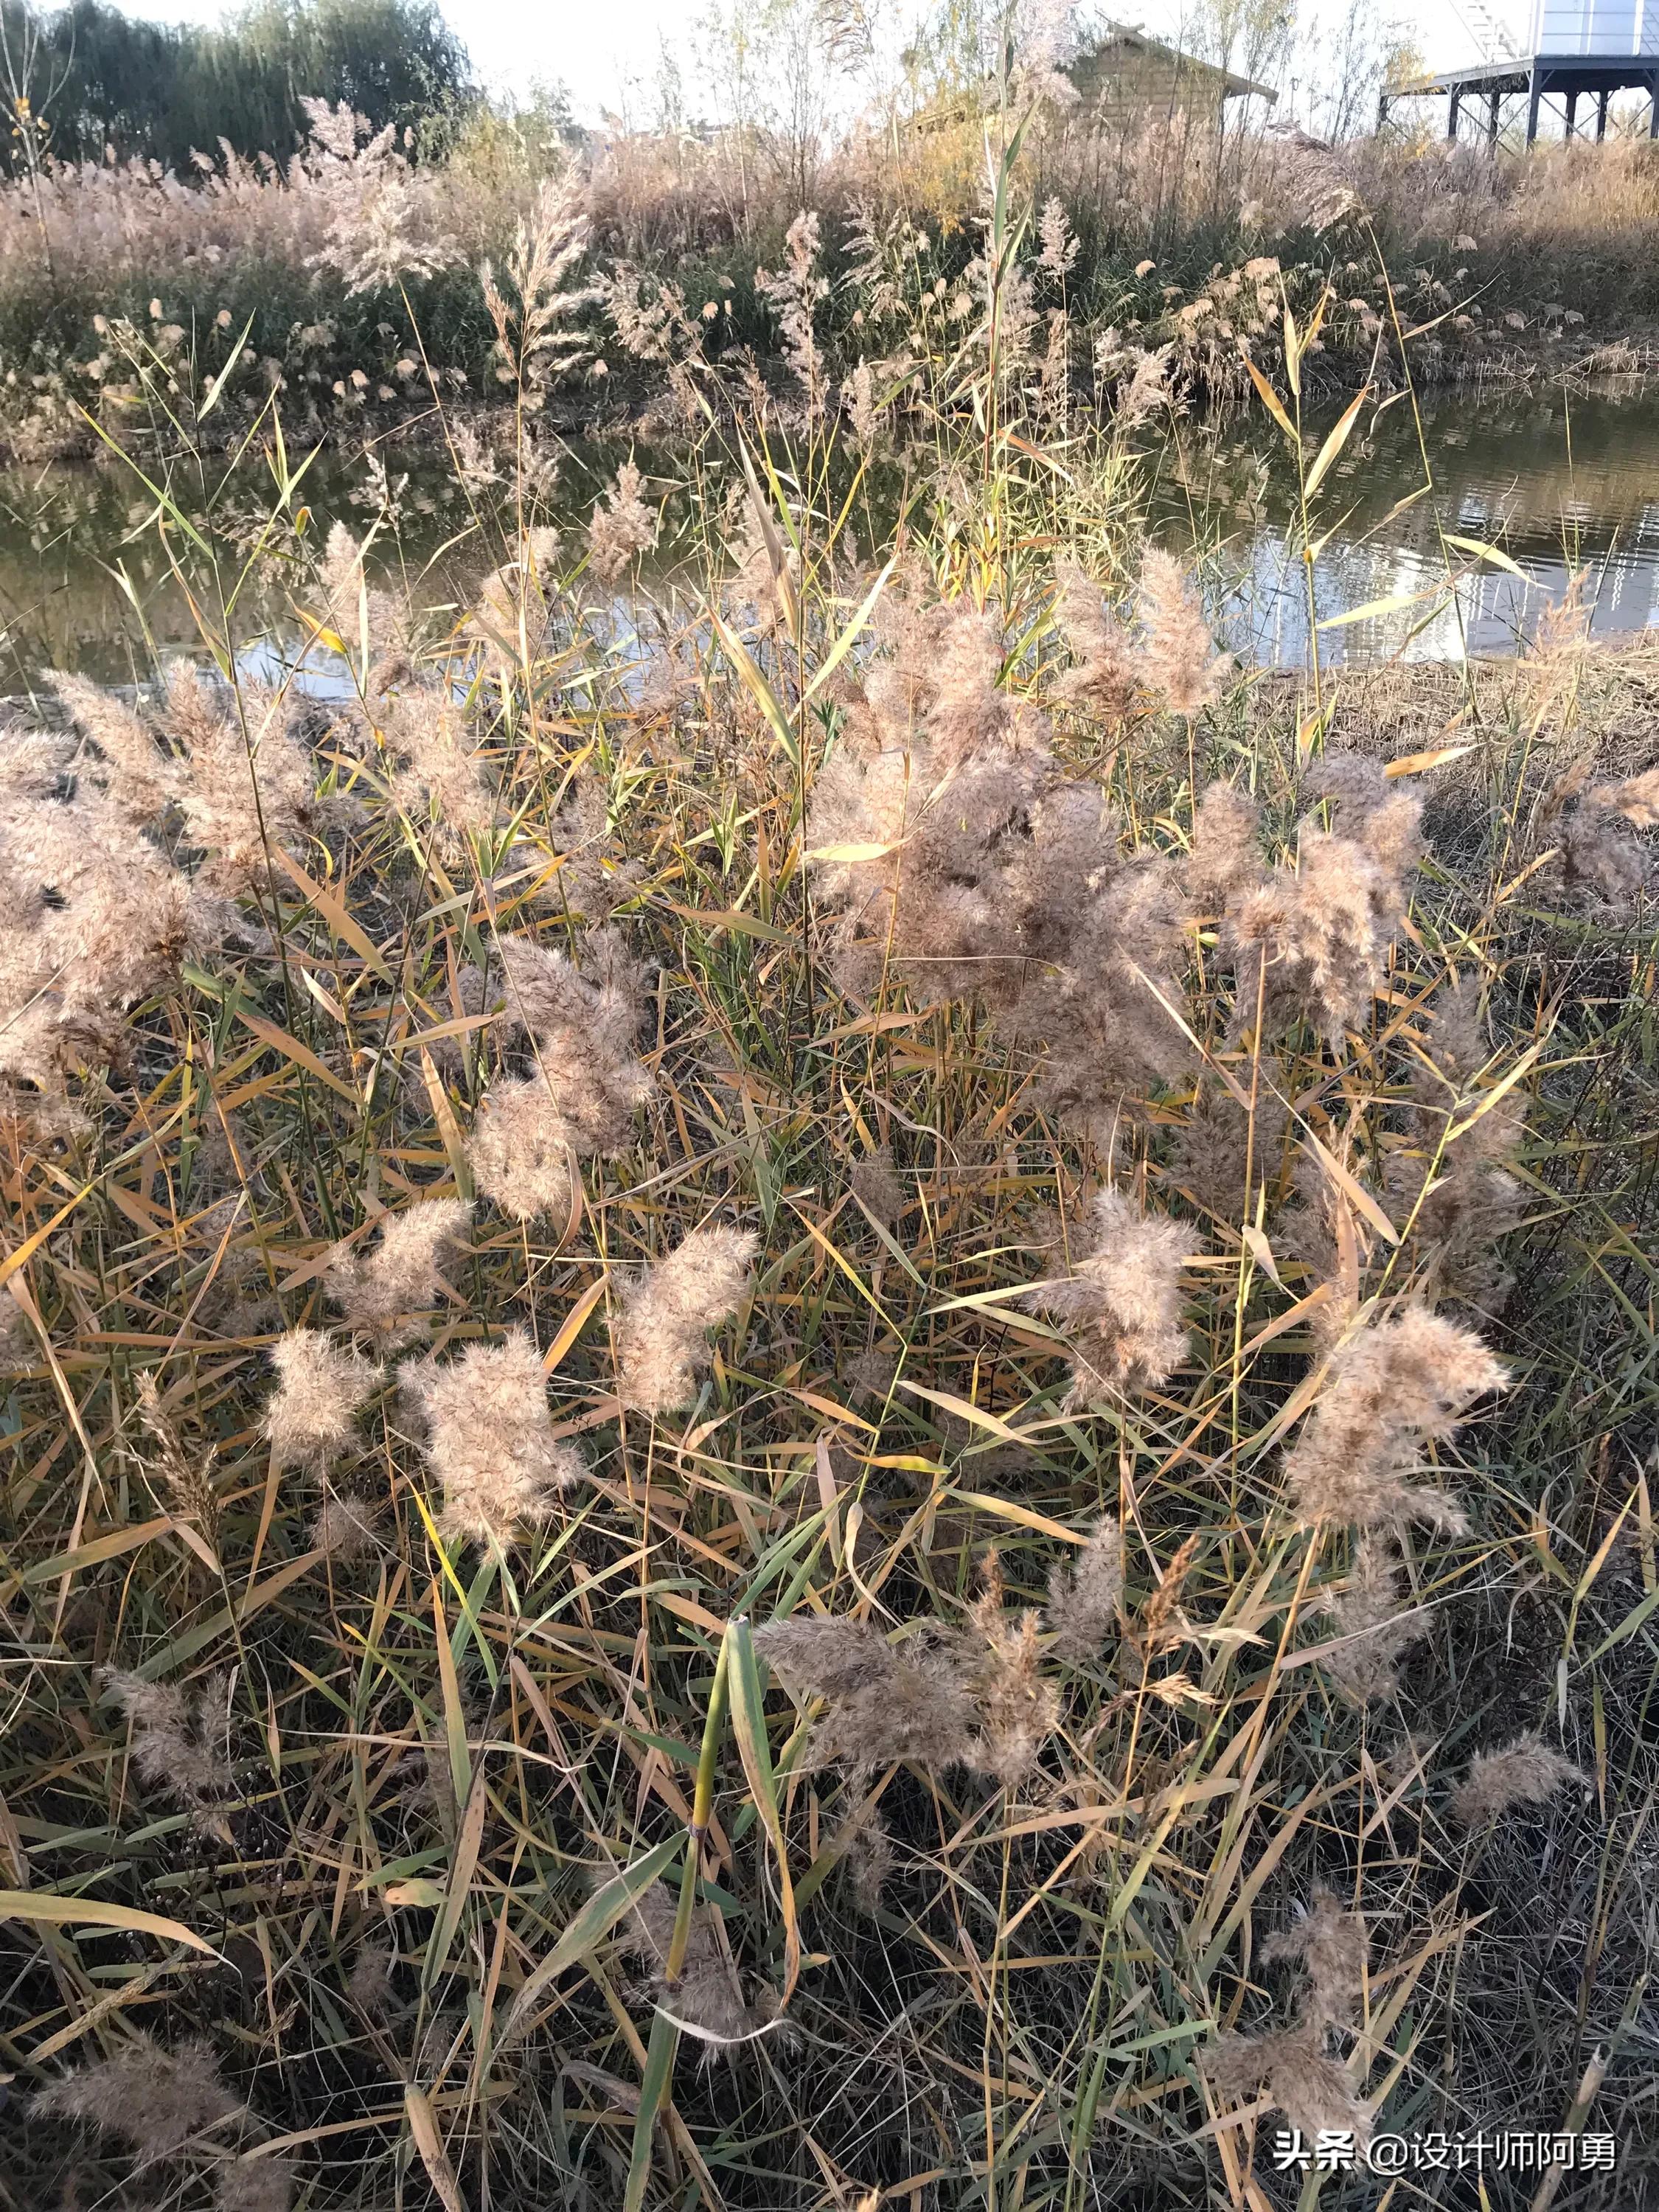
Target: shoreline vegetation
<point x="845" y="1400"/>
<point x="1156" y="256"/>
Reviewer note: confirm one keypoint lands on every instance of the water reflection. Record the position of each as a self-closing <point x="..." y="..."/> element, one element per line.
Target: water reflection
<point x="1558" y="481"/>
<point x="1562" y="484"/>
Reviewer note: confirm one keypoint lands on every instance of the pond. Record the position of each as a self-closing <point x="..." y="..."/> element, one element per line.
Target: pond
<point x="1564" y="485"/>
<point x="1561" y="483"/>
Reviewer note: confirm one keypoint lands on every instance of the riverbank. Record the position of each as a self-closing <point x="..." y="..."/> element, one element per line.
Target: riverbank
<point x="348" y="281"/>
<point x="856" y="1393"/>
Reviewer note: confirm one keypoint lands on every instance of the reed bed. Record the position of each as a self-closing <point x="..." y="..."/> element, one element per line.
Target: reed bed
<point x="846" y="1398"/>
<point x="342" y="275"/>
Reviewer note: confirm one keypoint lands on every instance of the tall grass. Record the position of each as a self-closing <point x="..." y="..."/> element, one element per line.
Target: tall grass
<point x="846" y="1398"/>
<point x="342" y="277"/>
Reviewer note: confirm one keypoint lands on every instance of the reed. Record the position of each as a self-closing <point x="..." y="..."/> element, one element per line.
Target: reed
<point x="744" y="1462"/>
<point x="343" y="278"/>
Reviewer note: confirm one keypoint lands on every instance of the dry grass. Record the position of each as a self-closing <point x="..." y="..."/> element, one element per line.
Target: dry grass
<point x="344" y="277"/>
<point x="425" y="1697"/>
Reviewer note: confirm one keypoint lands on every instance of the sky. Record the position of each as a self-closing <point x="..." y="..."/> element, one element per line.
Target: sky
<point x="592" y="46"/>
<point x="599" y="48"/>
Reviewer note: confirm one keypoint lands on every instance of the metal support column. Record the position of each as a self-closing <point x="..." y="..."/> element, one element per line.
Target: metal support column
<point x="1572" y="111"/>
<point x="1653" y="120"/>
<point x="1451" y="114"/>
<point x="1601" y="117"/>
<point x="1492" y="100"/>
<point x="1535" y="93"/>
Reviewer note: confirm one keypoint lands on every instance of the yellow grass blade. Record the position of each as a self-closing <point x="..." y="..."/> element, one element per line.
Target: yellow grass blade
<point x="1330" y="451"/>
<point x="423" y="2130"/>
<point x="52" y="1911"/>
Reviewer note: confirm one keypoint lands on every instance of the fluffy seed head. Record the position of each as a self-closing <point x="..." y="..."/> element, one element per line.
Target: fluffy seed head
<point x="1018" y="1710"/>
<point x="380" y="1293"/>
<point x="1334" y="1947"/>
<point x="254" y="2185"/>
<point x="1225" y="858"/>
<point x="519" y="1150"/>
<point x="1394" y="1386"/>
<point x="707" y="1996"/>
<point x="1106" y="680"/>
<point x="1370" y="1613"/>
<point x="584" y="1029"/>
<point x="490" y="1440"/>
<point x="1121" y="1304"/>
<point x="344" y="1528"/>
<point x="662" y="1337"/>
<point x="884" y="1704"/>
<point x="1313" y="2091"/>
<point x="876" y="1184"/>
<point x="1525" y="1772"/>
<point x="93" y="916"/>
<point x="1084" y="1595"/>
<point x="180" y="1743"/>
<point x="1178" y="656"/>
<point x="153" y="2099"/>
<point x="311" y="1416"/>
<point x="622" y="526"/>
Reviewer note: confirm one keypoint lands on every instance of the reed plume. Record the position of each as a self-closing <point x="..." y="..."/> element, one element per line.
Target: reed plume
<point x="595" y="876"/>
<point x="1333" y="1948"/>
<point x="584" y="1035"/>
<point x="1452" y="1181"/>
<point x="183" y="1477"/>
<point x="795" y="291"/>
<point x="94" y="916"/>
<point x="1224" y="858"/>
<point x="345" y="1528"/>
<point x="512" y="607"/>
<point x="1310" y="941"/>
<point x="1226" y="1153"/>
<point x="877" y="1186"/>
<point x="1635" y="797"/>
<point x="1179" y="662"/>
<point x="957" y="853"/>
<point x="442" y="779"/>
<point x="882" y="1705"/>
<point x="1085" y="1594"/>
<point x="138" y="772"/>
<point x="311" y="1416"/>
<point x="519" y="1149"/>
<point x="249" y="2184"/>
<point x="1525" y="1772"/>
<point x="1394" y="1386"/>
<point x="622" y="527"/>
<point x="490" y="1441"/>
<point x="1018" y="1710"/>
<point x="153" y="2099"/>
<point x="180" y="1743"/>
<point x="1121" y="1305"/>
<point x="706" y="1999"/>
<point x="1603" y="864"/>
<point x="913" y="820"/>
<point x="385" y="1294"/>
<point x="245" y="783"/>
<point x="1314" y="2090"/>
<point x="1371" y="1614"/>
<point x="1108" y="1016"/>
<point x="662" y="1345"/>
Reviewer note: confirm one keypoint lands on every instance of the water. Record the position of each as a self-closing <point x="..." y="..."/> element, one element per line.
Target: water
<point x="1561" y="484"/>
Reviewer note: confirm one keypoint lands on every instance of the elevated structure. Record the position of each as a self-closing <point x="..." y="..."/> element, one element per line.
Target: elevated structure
<point x="1575" y="50"/>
